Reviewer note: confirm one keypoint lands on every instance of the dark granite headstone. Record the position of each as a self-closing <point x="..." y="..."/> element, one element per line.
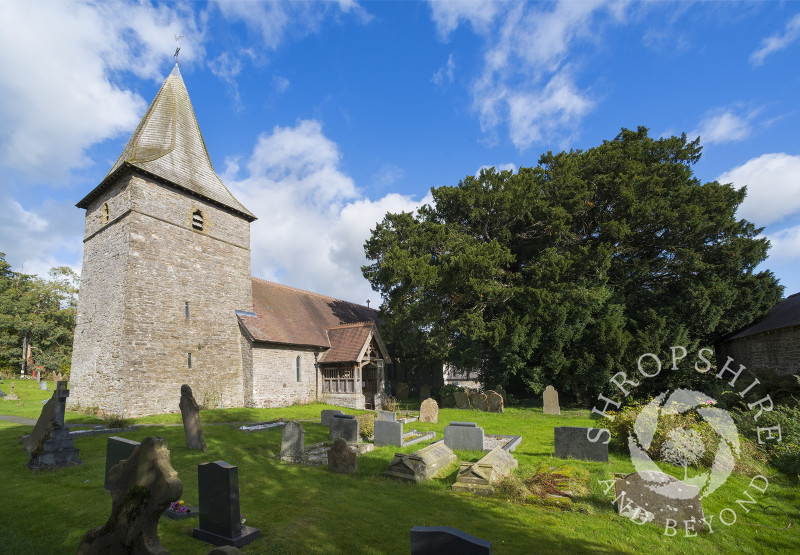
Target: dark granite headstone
<point x="444" y="540"/>
<point x="388" y="433"/>
<point x="50" y="444"/>
<point x="292" y="441"/>
<point x="220" y="521"/>
<point x="326" y="416"/>
<point x="463" y="436"/>
<point x="341" y="458"/>
<point x="117" y="450"/>
<point x="190" y="413"/>
<point x="344" y="426"/>
<point x="429" y="411"/>
<point x="573" y="442"/>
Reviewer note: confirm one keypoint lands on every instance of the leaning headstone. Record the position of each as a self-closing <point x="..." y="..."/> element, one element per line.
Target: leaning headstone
<point x="11" y="395"/>
<point x="343" y="459"/>
<point x="463" y="436"/>
<point x="50" y="444"/>
<point x="573" y="442"/>
<point x="402" y="391"/>
<point x="494" y="401"/>
<point x="429" y="411"/>
<point x="550" y="398"/>
<point x="220" y="519"/>
<point x="388" y="416"/>
<point x="142" y="487"/>
<point x="42" y="386"/>
<point x="292" y="442"/>
<point x="388" y="433"/>
<point x="424" y="392"/>
<point x="117" y="450"/>
<point x="437" y="540"/>
<point x="326" y="416"/>
<point x="190" y="412"/>
<point x="421" y="465"/>
<point x="478" y="401"/>
<point x="462" y="400"/>
<point x="478" y="477"/>
<point x="652" y="496"/>
<point x="344" y="426"/>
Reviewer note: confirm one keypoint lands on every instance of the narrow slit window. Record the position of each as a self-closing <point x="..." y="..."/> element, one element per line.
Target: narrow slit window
<point x="297" y="362"/>
<point x="197" y="220"/>
<point x="190" y="360"/>
<point x="187" y="310"/>
<point x="104" y="213"/>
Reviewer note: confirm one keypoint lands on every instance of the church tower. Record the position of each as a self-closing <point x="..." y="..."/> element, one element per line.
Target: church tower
<point x="166" y="265"/>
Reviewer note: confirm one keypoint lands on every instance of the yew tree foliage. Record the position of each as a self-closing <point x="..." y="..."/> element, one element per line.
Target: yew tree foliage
<point x="566" y="272"/>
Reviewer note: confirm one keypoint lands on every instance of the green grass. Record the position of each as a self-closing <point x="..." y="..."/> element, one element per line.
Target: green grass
<point x="310" y="510"/>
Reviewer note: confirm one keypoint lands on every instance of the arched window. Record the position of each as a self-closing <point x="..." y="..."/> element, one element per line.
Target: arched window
<point x="297" y="361"/>
<point x="197" y="220"/>
<point x="104" y="214"/>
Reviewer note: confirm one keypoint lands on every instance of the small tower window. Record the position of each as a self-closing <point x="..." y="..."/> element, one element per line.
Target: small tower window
<point x="297" y="362"/>
<point x="104" y="214"/>
<point x="187" y="310"/>
<point x="197" y="220"/>
<point x="190" y="360"/>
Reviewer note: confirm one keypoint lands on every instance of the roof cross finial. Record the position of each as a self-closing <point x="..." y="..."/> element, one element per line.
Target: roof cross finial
<point x="177" y="47"/>
<point x="367" y="303"/>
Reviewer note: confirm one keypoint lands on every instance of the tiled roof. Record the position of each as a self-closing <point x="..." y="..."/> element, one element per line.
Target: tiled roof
<point x="168" y="144"/>
<point x="347" y="342"/>
<point x="296" y="317"/>
<point x="783" y="315"/>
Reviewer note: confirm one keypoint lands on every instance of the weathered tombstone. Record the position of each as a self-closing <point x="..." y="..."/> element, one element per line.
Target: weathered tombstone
<point x="190" y="412"/>
<point x="388" y="433"/>
<point x="574" y="442"/>
<point x="478" y="477"/>
<point x="438" y="540"/>
<point x="292" y="442"/>
<point x="341" y="458"/>
<point x="462" y="400"/>
<point x="429" y="411"/>
<point x="326" y="416"/>
<point x="387" y="416"/>
<point x="344" y="426"/>
<point x="463" y="436"/>
<point x="652" y="496"/>
<point x="421" y="465"/>
<point x="220" y="519"/>
<point x="478" y="401"/>
<point x="117" y="450"/>
<point x="42" y="386"/>
<point x="424" y="392"/>
<point x="11" y="395"/>
<point x="402" y="391"/>
<point x="50" y="444"/>
<point x="142" y="487"/>
<point x="494" y="401"/>
<point x="501" y="390"/>
<point x="550" y="398"/>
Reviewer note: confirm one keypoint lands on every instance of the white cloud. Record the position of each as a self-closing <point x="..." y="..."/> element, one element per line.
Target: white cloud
<point x="724" y="127"/>
<point x="57" y="62"/>
<point x="785" y="244"/>
<point x="773" y="187"/>
<point x="448" y="14"/>
<point x="387" y="175"/>
<point x="777" y="41"/>
<point x="444" y="75"/>
<point x="313" y="220"/>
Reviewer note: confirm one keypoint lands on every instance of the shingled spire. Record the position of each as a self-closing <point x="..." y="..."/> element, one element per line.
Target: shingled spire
<point x="169" y="146"/>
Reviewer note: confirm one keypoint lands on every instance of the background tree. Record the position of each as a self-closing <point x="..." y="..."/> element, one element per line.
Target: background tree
<point x="565" y="273"/>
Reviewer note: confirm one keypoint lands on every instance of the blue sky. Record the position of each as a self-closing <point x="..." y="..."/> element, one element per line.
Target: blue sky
<point x="322" y="116"/>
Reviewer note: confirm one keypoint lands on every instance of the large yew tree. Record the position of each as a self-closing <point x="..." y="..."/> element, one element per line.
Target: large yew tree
<point x="566" y="272"/>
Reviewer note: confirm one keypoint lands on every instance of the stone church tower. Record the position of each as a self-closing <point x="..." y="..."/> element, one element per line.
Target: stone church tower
<point x="166" y="267"/>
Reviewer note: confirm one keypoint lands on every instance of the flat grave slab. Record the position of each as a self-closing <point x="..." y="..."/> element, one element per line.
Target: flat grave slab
<point x="479" y="476"/>
<point x="421" y="465"/>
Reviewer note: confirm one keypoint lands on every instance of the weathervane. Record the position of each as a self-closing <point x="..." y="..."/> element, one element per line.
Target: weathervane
<point x="177" y="46"/>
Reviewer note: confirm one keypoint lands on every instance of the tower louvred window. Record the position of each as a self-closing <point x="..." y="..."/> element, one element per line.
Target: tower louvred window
<point x="197" y="220"/>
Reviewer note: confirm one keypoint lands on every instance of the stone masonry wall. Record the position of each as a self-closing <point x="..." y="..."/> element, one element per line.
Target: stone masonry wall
<point x="773" y="357"/>
<point x="275" y="376"/>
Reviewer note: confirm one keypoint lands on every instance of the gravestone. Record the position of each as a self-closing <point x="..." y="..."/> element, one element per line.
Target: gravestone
<point x="292" y="442"/>
<point x="652" y="496"/>
<point x="424" y="392"/>
<point x="402" y="391"/>
<point x="344" y="426"/>
<point x="387" y="416"/>
<point x="478" y="401"/>
<point x="494" y="401"/>
<point x="478" y="477"/>
<point x="550" y="399"/>
<point x="501" y="390"/>
<point x="462" y="400"/>
<point x="572" y="442"/>
<point x="388" y="433"/>
<point x="220" y="519"/>
<point x="11" y="395"/>
<point x="441" y="540"/>
<point x="421" y="465"/>
<point x="117" y="450"/>
<point x="326" y="416"/>
<point x="429" y="411"/>
<point x="50" y="444"/>
<point x="190" y="412"/>
<point x="42" y="386"/>
<point x="341" y="458"/>
<point x="463" y="436"/>
<point x="142" y="487"/>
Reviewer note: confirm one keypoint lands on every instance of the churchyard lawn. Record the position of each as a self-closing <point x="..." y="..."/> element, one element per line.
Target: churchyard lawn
<point x="302" y="509"/>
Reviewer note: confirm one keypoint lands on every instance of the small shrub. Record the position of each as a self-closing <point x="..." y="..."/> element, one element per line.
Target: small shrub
<point x="366" y="425"/>
<point x="511" y="488"/>
<point x="212" y="398"/>
<point x="390" y="403"/>
<point x="447" y="395"/>
<point x="116" y="421"/>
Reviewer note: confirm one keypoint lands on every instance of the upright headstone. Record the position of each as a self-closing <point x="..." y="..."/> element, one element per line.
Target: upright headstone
<point x="326" y="416"/>
<point x="344" y="426"/>
<point x="50" y="444"/>
<point x="387" y="416"/>
<point x="550" y="398"/>
<point x="292" y="441"/>
<point x="429" y="411"/>
<point x="501" y="390"/>
<point x="190" y="412"/>
<point x="402" y="391"/>
<point x="462" y="400"/>
<point x="424" y="392"/>
<point x="653" y="496"/>
<point x="494" y="401"/>
<point x="117" y="450"/>
<point x="42" y="385"/>
<point x="341" y="458"/>
<point x="388" y="433"/>
<point x="478" y="401"/>
<point x="142" y="487"/>
<point x="574" y="442"/>
<point x="464" y="436"/>
<point x="11" y="395"/>
<point x="220" y="519"/>
<point x="439" y="540"/>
